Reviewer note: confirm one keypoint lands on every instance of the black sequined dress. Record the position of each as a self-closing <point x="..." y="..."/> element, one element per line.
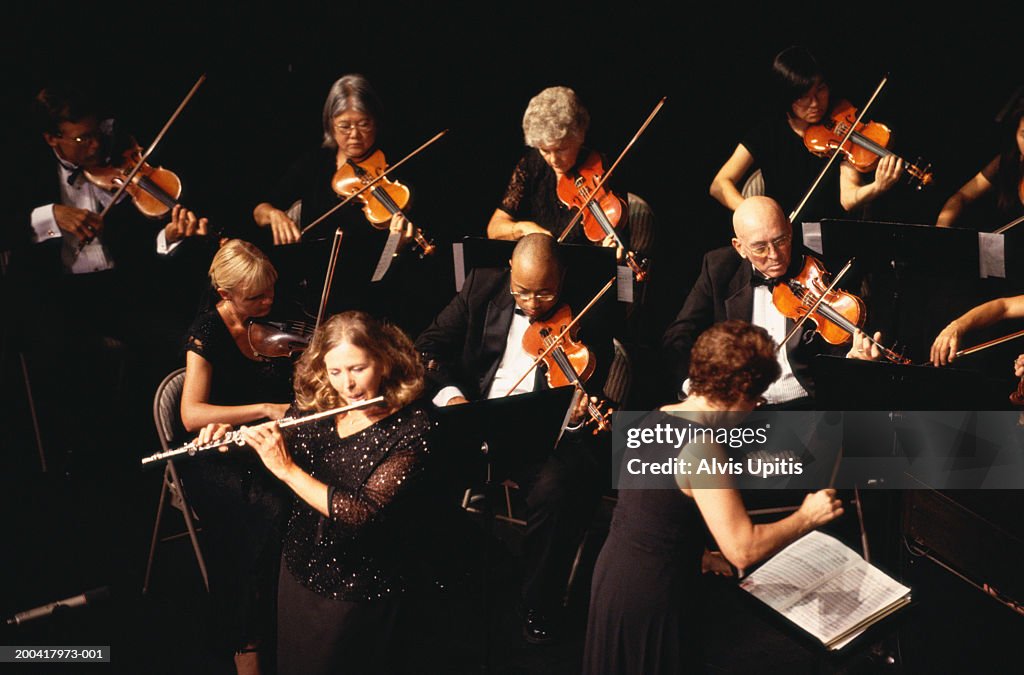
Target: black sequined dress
<point x="343" y="576"/>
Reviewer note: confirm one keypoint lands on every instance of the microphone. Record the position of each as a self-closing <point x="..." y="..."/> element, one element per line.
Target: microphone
<point x="101" y="593"/>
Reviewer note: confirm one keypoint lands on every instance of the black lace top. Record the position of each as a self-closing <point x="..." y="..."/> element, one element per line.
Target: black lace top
<point x="532" y="195"/>
<point x="237" y="379"/>
<point x="378" y="486"/>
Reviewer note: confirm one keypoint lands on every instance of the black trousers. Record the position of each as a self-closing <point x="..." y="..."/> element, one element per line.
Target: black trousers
<point x="561" y="495"/>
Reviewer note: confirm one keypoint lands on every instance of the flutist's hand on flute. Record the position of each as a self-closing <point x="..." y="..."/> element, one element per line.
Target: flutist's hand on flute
<point x="265" y="439"/>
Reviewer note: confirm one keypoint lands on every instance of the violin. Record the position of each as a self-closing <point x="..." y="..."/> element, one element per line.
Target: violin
<point x="154" y="190"/>
<point x="277" y="339"/>
<point x="868" y="143"/>
<point x="838" y="314"/>
<point x="602" y="213"/>
<point x="383" y="200"/>
<point x="569" y="363"/>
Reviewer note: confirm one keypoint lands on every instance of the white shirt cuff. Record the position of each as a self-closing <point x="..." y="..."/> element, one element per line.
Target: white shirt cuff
<point x="44" y="225"/>
<point x="446" y="394"/>
<point x="162" y="247"/>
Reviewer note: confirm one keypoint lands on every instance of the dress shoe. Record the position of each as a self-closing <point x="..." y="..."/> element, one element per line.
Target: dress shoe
<point x="538" y="627"/>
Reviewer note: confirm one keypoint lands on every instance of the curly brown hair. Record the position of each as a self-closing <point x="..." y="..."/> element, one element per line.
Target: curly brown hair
<point x="733" y="361"/>
<point x="402" y="371"/>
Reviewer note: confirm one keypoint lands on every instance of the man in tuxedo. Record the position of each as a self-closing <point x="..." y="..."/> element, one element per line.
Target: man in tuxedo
<point x="96" y="290"/>
<point x="736" y="282"/>
<point x="473" y="350"/>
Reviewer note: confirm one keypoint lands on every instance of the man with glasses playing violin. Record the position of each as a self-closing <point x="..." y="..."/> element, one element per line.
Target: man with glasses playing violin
<point x="85" y="285"/>
<point x="473" y="350"/>
<point x="736" y="282"/>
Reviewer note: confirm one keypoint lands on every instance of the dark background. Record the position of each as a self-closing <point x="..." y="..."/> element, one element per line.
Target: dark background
<point x="470" y="68"/>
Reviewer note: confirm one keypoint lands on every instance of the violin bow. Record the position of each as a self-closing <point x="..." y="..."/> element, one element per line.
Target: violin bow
<point x="331" y="263"/>
<point x="558" y="339"/>
<point x="821" y="298"/>
<point x="145" y="155"/>
<point x="990" y="343"/>
<point x="828" y="165"/>
<point x="1012" y="223"/>
<point x="373" y="182"/>
<point x="604" y="178"/>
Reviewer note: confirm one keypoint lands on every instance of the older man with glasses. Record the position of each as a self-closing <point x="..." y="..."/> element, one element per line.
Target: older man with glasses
<point x="736" y="282"/>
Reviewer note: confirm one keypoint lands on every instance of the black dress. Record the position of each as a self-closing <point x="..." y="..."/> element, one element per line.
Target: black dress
<point x="789" y="169"/>
<point x="645" y="603"/>
<point x="344" y="577"/>
<point x="241" y="506"/>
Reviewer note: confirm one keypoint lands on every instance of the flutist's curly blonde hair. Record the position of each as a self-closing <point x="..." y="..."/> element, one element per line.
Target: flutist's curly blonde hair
<point x="402" y="372"/>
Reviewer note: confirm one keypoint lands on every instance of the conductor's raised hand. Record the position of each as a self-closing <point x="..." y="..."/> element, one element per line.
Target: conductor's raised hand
<point x="820" y="507"/>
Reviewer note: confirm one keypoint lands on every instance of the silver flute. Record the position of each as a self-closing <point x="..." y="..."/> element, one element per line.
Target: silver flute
<point x="235" y="437"/>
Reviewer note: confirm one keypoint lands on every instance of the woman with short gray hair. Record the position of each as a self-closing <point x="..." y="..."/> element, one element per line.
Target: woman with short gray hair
<point x="554" y="128"/>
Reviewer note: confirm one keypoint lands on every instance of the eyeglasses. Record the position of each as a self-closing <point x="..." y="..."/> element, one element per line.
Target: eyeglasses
<point x="528" y="296"/>
<point x="345" y="128"/>
<point x="84" y="138"/>
<point x="807" y="99"/>
<point x="761" y="248"/>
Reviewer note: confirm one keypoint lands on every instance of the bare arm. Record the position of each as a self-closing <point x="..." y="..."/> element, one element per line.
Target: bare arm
<point x="197" y="412"/>
<point x="853" y="192"/>
<point x="284" y="228"/>
<point x="947" y="343"/>
<point x="503" y="226"/>
<point x="972" y="189"/>
<point x="742" y="542"/>
<point x="725" y="185"/>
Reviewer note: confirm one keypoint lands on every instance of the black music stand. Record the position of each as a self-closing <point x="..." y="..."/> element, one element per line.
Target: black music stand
<point x="492" y="438"/>
<point x="853" y="384"/>
<point x="920" y="275"/>
<point x="590" y="266"/>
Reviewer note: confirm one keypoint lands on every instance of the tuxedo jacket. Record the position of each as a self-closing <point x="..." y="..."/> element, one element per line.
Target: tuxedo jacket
<point x="464" y="344"/>
<point x="128" y="235"/>
<point x="724" y="291"/>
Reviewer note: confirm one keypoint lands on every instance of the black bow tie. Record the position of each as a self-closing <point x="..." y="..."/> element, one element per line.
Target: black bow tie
<point x="758" y="279"/>
<point x="75" y="173"/>
<point x="518" y="311"/>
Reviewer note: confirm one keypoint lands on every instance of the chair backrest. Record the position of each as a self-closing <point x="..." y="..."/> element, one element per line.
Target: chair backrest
<point x="620" y="377"/>
<point x="641" y="225"/>
<point x="167" y="408"/>
<point x="754" y="185"/>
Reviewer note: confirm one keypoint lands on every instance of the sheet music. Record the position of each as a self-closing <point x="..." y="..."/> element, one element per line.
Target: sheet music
<point x="991" y="255"/>
<point x="458" y="256"/>
<point x="812" y="237"/>
<point x="387" y="255"/>
<point x="802" y="565"/>
<point x="623" y="284"/>
<point x="824" y="587"/>
<point x="844" y="602"/>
